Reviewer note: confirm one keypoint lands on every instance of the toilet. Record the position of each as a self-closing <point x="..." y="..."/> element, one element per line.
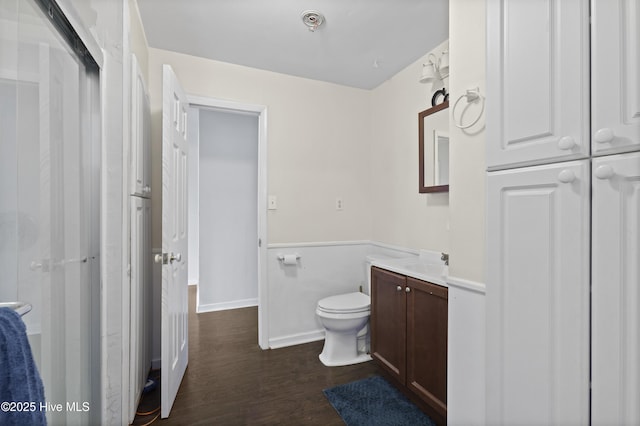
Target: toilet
<point x="344" y="318"/>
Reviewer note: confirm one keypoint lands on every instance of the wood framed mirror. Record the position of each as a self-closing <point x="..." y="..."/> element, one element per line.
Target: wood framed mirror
<point x="433" y="149"/>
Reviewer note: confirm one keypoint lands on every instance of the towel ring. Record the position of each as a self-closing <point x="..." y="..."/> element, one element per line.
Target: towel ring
<point x="472" y="95"/>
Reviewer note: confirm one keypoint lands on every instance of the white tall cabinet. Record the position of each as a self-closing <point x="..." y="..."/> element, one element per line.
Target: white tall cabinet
<point x="563" y="212"/>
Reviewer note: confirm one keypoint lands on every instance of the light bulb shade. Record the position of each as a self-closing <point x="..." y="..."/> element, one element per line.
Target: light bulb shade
<point x="428" y="73"/>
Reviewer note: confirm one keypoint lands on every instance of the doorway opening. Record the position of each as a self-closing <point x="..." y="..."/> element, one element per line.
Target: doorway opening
<point x="227" y="206"/>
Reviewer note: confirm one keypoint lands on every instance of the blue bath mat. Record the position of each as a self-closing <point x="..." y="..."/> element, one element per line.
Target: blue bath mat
<point x="375" y="402"/>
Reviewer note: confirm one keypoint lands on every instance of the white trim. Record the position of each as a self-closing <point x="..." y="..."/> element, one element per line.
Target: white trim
<point x="263" y="285"/>
<point x="318" y="244"/>
<point x="156" y="363"/>
<point x="83" y="32"/>
<point x="466" y="284"/>
<point x="296" y="339"/>
<point x="344" y="243"/>
<point x="223" y="306"/>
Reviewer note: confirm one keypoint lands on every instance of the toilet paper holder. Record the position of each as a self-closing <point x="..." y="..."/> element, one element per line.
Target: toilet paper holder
<point x="288" y="259"/>
<point x="281" y="257"/>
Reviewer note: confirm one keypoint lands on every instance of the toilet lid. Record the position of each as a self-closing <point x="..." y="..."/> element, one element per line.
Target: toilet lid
<point x="350" y="302"/>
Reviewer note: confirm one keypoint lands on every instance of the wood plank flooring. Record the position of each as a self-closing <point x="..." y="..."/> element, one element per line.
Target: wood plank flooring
<point x="231" y="381"/>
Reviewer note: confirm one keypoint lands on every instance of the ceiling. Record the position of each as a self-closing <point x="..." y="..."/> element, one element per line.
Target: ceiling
<point x="361" y="44"/>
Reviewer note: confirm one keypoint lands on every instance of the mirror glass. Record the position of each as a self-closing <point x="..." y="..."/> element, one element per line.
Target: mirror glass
<point x="433" y="139"/>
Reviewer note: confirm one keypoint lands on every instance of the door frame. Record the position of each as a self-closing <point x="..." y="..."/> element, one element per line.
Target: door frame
<point x="196" y="101"/>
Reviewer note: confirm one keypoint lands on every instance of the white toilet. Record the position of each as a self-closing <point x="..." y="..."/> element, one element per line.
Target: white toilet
<point x="344" y="316"/>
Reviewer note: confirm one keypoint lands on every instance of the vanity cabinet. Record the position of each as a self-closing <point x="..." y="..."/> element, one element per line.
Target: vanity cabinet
<point x="409" y="336"/>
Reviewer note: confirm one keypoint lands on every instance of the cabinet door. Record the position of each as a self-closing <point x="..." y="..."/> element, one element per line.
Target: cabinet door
<point x="616" y="290"/>
<point x="140" y="299"/>
<point x="427" y="309"/>
<point x="388" y="321"/>
<point x="615" y="67"/>
<point x="538" y="295"/>
<point x="537" y="81"/>
<point x="140" y="134"/>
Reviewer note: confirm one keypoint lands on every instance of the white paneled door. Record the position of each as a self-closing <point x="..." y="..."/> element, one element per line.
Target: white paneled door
<point x="615" y="68"/>
<point x="538" y="295"/>
<point x="616" y="290"/>
<point x="175" y="343"/>
<point x="538" y="84"/>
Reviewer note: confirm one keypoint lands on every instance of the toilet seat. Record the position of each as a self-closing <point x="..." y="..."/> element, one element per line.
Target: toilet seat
<point x="349" y="303"/>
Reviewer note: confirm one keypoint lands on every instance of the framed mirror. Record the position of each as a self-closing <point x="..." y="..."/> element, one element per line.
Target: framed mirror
<point x="433" y="149"/>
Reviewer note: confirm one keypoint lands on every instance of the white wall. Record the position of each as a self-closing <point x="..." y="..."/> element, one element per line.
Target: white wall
<point x="466" y="357"/>
<point x="228" y="222"/>
<point x="318" y="139"/>
<point x="193" y="211"/>
<point x="467" y="147"/>
<point x="401" y="215"/>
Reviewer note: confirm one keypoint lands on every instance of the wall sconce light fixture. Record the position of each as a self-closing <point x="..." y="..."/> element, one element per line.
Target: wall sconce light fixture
<point x="435" y="69"/>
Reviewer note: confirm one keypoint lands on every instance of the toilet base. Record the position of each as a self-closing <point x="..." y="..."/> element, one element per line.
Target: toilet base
<point x="357" y="360"/>
<point x="341" y="348"/>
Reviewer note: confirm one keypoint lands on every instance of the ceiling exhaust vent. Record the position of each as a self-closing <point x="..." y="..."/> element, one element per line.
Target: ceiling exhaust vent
<point x="312" y="19"/>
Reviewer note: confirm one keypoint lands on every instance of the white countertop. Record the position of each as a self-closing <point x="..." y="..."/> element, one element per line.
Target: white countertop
<point x="415" y="267"/>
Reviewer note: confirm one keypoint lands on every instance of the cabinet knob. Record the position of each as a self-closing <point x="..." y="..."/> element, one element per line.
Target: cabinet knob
<point x="604" y="135"/>
<point x="566" y="143"/>
<point x="566" y="176"/>
<point x="399" y="288"/>
<point x="604" y="171"/>
<point x="408" y="289"/>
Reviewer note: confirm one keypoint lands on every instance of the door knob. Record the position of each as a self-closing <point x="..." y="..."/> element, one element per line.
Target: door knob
<point x="566" y="143"/>
<point x="175" y="256"/>
<point x="604" y="171"/>
<point x="408" y="289"/>
<point x="604" y="135"/>
<point x="158" y="258"/>
<point x="566" y="176"/>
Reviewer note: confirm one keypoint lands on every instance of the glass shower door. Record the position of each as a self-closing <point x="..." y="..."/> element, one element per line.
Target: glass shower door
<point x="49" y="205"/>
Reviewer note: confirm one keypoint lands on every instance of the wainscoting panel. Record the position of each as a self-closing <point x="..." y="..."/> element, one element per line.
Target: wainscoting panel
<point x="466" y="353"/>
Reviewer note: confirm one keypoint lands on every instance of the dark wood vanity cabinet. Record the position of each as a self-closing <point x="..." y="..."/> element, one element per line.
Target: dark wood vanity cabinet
<point x="409" y="336"/>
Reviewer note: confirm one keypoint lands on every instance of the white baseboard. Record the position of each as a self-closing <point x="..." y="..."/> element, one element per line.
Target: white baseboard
<point x="222" y="306"/>
<point x="156" y="363"/>
<point x="296" y="339"/>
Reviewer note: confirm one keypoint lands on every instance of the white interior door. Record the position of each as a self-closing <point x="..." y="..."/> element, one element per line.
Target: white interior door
<point x="175" y="347"/>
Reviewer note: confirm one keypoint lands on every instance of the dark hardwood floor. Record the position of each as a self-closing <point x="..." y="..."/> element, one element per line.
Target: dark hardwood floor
<point x="231" y="381"/>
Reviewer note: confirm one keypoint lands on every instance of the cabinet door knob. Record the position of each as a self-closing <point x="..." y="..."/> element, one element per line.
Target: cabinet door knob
<point x="604" y="135"/>
<point x="566" y="176"/>
<point x="566" y="143"/>
<point x="604" y="171"/>
<point x="408" y="289"/>
<point x="399" y="288"/>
